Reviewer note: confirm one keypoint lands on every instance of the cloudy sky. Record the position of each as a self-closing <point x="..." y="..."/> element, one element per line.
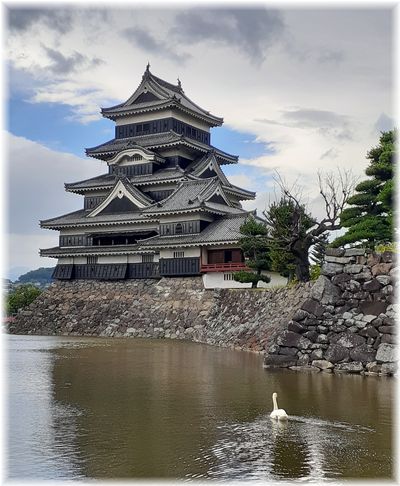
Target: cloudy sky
<point x="300" y="90"/>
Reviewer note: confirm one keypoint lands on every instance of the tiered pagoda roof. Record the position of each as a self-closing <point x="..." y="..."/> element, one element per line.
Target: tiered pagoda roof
<point x="157" y="141"/>
<point x="154" y="94"/>
<point x="153" y="179"/>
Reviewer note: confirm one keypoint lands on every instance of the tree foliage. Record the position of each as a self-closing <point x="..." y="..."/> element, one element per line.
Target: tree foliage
<point x="369" y="217"/>
<point x="21" y="297"/>
<point x="294" y="230"/>
<point x="279" y="216"/>
<point x="255" y="246"/>
<point x="317" y="254"/>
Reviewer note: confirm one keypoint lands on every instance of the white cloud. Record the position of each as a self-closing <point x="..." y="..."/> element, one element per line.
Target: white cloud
<point x="35" y="190"/>
<point x="323" y="81"/>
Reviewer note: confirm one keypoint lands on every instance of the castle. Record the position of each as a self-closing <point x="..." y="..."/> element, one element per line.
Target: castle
<point x="165" y="207"/>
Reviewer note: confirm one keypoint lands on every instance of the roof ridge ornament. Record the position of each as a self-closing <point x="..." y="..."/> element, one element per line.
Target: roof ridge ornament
<point x="147" y="71"/>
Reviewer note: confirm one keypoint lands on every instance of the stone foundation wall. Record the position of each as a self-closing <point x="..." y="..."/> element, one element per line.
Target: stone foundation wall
<point x="348" y="322"/>
<point x="175" y="308"/>
<point x="344" y="322"/>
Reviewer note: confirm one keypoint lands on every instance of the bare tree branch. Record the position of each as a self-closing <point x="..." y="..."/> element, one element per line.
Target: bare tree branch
<point x="300" y="231"/>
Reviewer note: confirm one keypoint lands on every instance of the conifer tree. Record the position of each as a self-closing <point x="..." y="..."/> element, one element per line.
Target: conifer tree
<point x="295" y="230"/>
<point x="255" y="246"/>
<point x="369" y="218"/>
<point x="280" y="217"/>
<point x="317" y="254"/>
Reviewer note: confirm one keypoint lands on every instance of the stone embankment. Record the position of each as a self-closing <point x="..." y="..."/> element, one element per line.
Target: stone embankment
<point x="348" y="322"/>
<point x="344" y="322"/>
<point x="175" y="308"/>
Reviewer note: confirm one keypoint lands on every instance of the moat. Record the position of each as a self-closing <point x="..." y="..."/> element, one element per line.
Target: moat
<point x="81" y="408"/>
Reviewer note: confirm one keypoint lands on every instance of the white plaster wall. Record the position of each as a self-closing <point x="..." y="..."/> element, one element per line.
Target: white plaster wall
<point x="134" y="258"/>
<point x="276" y="279"/>
<point x="138" y="258"/>
<point x="189" y="252"/>
<point x="65" y="261"/>
<point x="80" y="260"/>
<point x="215" y="280"/>
<point x="112" y="259"/>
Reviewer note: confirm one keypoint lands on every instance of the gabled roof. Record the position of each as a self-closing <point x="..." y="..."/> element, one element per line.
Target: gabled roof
<point x="207" y="165"/>
<point x="104" y="181"/>
<point x="157" y="141"/>
<point x="221" y="231"/>
<point x="107" y="181"/>
<point x="154" y="93"/>
<point x="239" y="192"/>
<point x="192" y="196"/>
<point x="123" y="190"/>
<point x="80" y="218"/>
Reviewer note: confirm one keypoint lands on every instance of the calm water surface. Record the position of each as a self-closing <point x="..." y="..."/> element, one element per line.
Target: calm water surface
<point x="107" y="408"/>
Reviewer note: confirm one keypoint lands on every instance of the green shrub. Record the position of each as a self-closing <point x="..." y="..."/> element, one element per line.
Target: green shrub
<point x="21" y="297"/>
<point x="250" y="277"/>
<point x="386" y="247"/>
<point x="315" y="272"/>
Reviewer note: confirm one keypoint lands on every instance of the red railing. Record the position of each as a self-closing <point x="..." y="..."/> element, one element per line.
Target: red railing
<point x="223" y="267"/>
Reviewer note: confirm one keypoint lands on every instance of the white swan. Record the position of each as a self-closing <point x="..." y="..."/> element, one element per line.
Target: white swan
<point x="277" y="413"/>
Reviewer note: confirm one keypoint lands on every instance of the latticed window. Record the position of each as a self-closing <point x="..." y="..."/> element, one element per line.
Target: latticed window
<point x="178" y="229"/>
<point x="149" y="258"/>
<point x="92" y="260"/>
<point x="179" y="254"/>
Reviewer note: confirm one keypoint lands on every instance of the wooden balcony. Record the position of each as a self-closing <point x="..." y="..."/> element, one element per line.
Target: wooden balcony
<point x="223" y="267"/>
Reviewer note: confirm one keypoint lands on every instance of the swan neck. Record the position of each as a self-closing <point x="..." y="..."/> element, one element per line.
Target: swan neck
<point x="275" y="402"/>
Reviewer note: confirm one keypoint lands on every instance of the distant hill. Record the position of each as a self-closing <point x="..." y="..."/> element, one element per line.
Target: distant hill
<point x="41" y="276"/>
<point x="13" y="273"/>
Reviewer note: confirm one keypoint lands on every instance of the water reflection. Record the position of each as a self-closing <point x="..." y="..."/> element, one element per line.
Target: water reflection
<point x="41" y="431"/>
<point x="102" y="408"/>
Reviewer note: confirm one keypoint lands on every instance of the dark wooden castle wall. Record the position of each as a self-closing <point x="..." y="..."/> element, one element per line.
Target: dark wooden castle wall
<point x="159" y="126"/>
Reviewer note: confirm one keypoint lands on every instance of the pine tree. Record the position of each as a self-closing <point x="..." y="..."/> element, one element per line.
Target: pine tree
<point x="369" y="218"/>
<point x="255" y="246"/>
<point x="283" y="216"/>
<point x="317" y="254"/>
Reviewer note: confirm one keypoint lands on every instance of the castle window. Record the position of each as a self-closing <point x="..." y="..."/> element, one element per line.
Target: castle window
<point x="92" y="260"/>
<point x="179" y="254"/>
<point x="149" y="258"/>
<point x="178" y="229"/>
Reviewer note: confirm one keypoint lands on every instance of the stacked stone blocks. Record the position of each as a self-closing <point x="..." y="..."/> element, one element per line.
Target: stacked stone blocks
<point x="348" y="322"/>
